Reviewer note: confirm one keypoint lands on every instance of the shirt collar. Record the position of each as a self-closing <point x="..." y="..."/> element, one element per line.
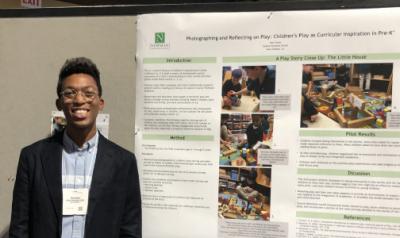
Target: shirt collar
<point x="70" y="145"/>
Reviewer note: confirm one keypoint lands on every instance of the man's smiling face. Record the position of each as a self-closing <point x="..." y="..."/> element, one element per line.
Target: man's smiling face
<point x="80" y="101"/>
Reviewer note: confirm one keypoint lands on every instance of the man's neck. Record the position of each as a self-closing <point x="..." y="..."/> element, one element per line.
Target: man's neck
<point x="80" y="136"/>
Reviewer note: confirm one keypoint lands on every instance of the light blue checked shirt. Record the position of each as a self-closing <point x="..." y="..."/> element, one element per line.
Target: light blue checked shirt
<point x="77" y="170"/>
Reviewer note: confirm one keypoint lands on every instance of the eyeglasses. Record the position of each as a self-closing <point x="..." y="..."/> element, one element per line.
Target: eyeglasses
<point x="70" y="94"/>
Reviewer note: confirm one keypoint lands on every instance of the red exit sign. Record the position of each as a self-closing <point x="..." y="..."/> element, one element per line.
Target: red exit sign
<point x="31" y="3"/>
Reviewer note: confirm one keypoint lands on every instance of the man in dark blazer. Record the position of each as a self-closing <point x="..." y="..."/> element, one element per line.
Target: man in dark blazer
<point x="51" y="197"/>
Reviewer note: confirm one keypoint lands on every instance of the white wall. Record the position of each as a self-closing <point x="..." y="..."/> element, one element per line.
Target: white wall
<point x="32" y="51"/>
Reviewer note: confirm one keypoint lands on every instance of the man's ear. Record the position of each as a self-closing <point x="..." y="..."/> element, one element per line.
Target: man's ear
<point x="58" y="104"/>
<point x="101" y="104"/>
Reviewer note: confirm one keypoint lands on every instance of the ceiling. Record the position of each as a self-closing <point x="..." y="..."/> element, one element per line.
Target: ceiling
<point x="123" y="2"/>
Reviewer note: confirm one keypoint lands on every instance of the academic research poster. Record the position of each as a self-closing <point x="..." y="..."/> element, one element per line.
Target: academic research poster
<point x="269" y="124"/>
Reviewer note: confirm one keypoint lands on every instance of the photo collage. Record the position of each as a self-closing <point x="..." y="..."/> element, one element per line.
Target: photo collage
<point x="244" y="183"/>
<point x="332" y="96"/>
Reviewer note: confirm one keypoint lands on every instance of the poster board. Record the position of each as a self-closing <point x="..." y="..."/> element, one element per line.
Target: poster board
<point x="327" y="169"/>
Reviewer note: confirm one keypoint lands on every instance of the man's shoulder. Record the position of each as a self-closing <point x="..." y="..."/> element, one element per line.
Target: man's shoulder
<point x="112" y="147"/>
<point x="44" y="144"/>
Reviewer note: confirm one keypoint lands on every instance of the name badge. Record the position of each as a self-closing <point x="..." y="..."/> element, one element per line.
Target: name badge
<point x="75" y="201"/>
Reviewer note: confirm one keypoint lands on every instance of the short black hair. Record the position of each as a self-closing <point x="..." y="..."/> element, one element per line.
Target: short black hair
<point x="79" y="65"/>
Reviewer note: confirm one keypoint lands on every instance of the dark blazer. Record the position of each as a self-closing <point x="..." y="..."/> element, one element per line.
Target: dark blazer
<point x="114" y="197"/>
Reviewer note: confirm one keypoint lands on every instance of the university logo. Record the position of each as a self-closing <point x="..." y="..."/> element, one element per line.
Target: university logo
<point x="159" y="37"/>
<point x="160" y="41"/>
